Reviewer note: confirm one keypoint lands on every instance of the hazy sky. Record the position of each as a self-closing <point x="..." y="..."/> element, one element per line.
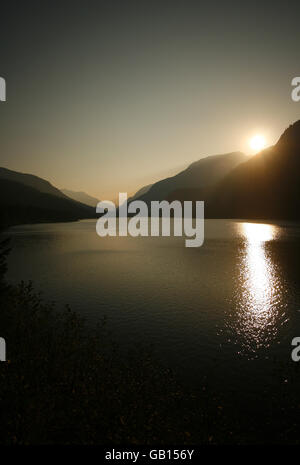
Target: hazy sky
<point x="109" y="96"/>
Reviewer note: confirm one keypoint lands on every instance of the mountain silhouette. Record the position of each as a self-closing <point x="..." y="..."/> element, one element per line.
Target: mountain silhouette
<point x="82" y="197"/>
<point x="22" y="203"/>
<point x="140" y="192"/>
<point x="266" y="186"/>
<point x="31" y="180"/>
<point x="200" y="174"/>
<point x="290" y="139"/>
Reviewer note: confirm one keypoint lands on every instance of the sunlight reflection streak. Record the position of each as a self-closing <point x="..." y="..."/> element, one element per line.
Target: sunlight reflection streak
<point x="259" y="287"/>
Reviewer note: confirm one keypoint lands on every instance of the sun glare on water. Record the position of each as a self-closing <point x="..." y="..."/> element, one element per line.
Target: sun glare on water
<point x="258" y="142"/>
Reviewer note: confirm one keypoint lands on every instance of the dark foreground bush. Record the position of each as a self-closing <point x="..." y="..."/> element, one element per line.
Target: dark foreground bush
<point x="64" y="383"/>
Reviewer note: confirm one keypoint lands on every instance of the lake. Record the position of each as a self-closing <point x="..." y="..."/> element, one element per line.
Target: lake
<point x="225" y="312"/>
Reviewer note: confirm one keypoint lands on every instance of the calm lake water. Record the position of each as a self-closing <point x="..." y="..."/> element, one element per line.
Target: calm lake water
<point x="226" y="311"/>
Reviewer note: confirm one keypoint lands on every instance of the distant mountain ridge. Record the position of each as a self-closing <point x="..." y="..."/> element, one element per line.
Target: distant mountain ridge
<point x="141" y="191"/>
<point x="82" y="197"/>
<point x="266" y="186"/>
<point x="30" y="180"/>
<point x="200" y="174"/>
<point x="25" y="198"/>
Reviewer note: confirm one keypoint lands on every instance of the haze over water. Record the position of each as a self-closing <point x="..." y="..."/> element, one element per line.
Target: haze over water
<point x="222" y="311"/>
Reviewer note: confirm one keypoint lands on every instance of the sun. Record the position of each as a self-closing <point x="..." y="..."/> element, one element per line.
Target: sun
<point x="258" y="142"/>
